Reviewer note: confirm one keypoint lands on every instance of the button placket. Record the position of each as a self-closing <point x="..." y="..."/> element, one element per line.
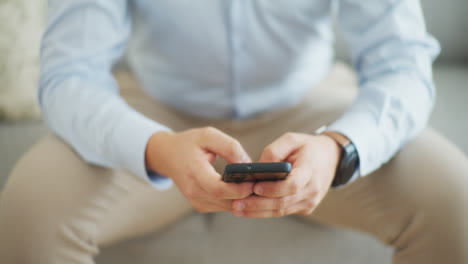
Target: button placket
<point x="236" y="46"/>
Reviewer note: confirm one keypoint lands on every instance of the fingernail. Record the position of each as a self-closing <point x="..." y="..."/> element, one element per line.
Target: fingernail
<point x="240" y="206"/>
<point x="258" y="190"/>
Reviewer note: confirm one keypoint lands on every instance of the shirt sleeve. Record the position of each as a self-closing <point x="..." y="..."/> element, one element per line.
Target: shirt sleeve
<point x="78" y="94"/>
<point x="392" y="54"/>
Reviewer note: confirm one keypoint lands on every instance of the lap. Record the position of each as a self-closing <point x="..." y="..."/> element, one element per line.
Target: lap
<point x="416" y="203"/>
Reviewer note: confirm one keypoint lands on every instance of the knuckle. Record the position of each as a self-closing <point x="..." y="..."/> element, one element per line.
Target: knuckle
<point x="234" y="147"/>
<point x="311" y="204"/>
<point x="188" y="193"/>
<point x="190" y="173"/>
<point x="271" y="152"/>
<point x="211" y="129"/>
<point x="237" y="146"/>
<point x="281" y="203"/>
<point x="198" y="207"/>
<point x="305" y="212"/>
<point x="314" y="192"/>
<point x="273" y="191"/>
<point x="208" y="131"/>
<point x="245" y="192"/>
<point x="191" y="193"/>
<point x="204" y="210"/>
<point x="278" y="213"/>
<point x="200" y="210"/>
<point x="294" y="187"/>
<point x="217" y="192"/>
<point x="288" y="135"/>
<point x="254" y="206"/>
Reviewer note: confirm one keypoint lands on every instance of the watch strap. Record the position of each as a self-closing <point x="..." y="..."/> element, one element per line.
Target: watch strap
<point x="348" y="159"/>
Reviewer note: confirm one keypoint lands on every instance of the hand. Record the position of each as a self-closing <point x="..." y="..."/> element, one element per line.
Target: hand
<point x="314" y="161"/>
<point x="186" y="158"/>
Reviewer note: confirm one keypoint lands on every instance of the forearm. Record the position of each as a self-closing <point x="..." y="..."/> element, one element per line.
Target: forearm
<point x="384" y="117"/>
<point x="78" y="94"/>
<point x="392" y="54"/>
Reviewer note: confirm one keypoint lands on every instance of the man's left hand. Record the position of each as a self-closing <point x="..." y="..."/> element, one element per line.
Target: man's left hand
<point x="314" y="161"/>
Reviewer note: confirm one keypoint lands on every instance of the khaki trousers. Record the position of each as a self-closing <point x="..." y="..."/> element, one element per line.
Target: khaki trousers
<point x="58" y="209"/>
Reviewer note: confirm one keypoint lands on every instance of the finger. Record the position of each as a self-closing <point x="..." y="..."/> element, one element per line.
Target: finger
<point x="203" y="201"/>
<point x="282" y="148"/>
<point x="260" y="214"/>
<point x="212" y="183"/>
<point x="259" y="203"/>
<point x="223" y="205"/>
<point x="227" y="147"/>
<point x="211" y="157"/>
<point x="303" y="207"/>
<point x="209" y="206"/>
<point x="296" y="181"/>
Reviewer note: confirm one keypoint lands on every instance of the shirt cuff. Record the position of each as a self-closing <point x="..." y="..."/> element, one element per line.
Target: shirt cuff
<point x="360" y="128"/>
<point x="131" y="137"/>
<point x="159" y="181"/>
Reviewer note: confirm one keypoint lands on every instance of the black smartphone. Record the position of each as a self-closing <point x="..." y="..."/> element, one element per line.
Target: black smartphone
<point x="265" y="171"/>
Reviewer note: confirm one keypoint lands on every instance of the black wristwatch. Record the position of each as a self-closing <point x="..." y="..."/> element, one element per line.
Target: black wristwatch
<point x="349" y="161"/>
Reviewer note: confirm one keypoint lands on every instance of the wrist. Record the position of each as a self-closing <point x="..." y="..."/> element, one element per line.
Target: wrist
<point x="348" y="161"/>
<point x="154" y="150"/>
<point x="335" y="150"/>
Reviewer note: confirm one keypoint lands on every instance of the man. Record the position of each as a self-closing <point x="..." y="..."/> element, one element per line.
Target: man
<point x="247" y="81"/>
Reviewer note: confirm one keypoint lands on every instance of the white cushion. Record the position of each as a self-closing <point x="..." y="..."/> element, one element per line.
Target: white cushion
<point x="21" y="26"/>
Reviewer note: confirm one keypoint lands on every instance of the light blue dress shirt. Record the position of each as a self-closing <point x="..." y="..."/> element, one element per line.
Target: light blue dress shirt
<point x="231" y="59"/>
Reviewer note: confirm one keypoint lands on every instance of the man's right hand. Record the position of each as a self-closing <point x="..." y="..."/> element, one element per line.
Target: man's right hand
<point x="187" y="158"/>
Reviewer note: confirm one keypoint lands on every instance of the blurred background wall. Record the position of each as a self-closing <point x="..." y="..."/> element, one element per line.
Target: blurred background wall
<point x="448" y="22"/>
